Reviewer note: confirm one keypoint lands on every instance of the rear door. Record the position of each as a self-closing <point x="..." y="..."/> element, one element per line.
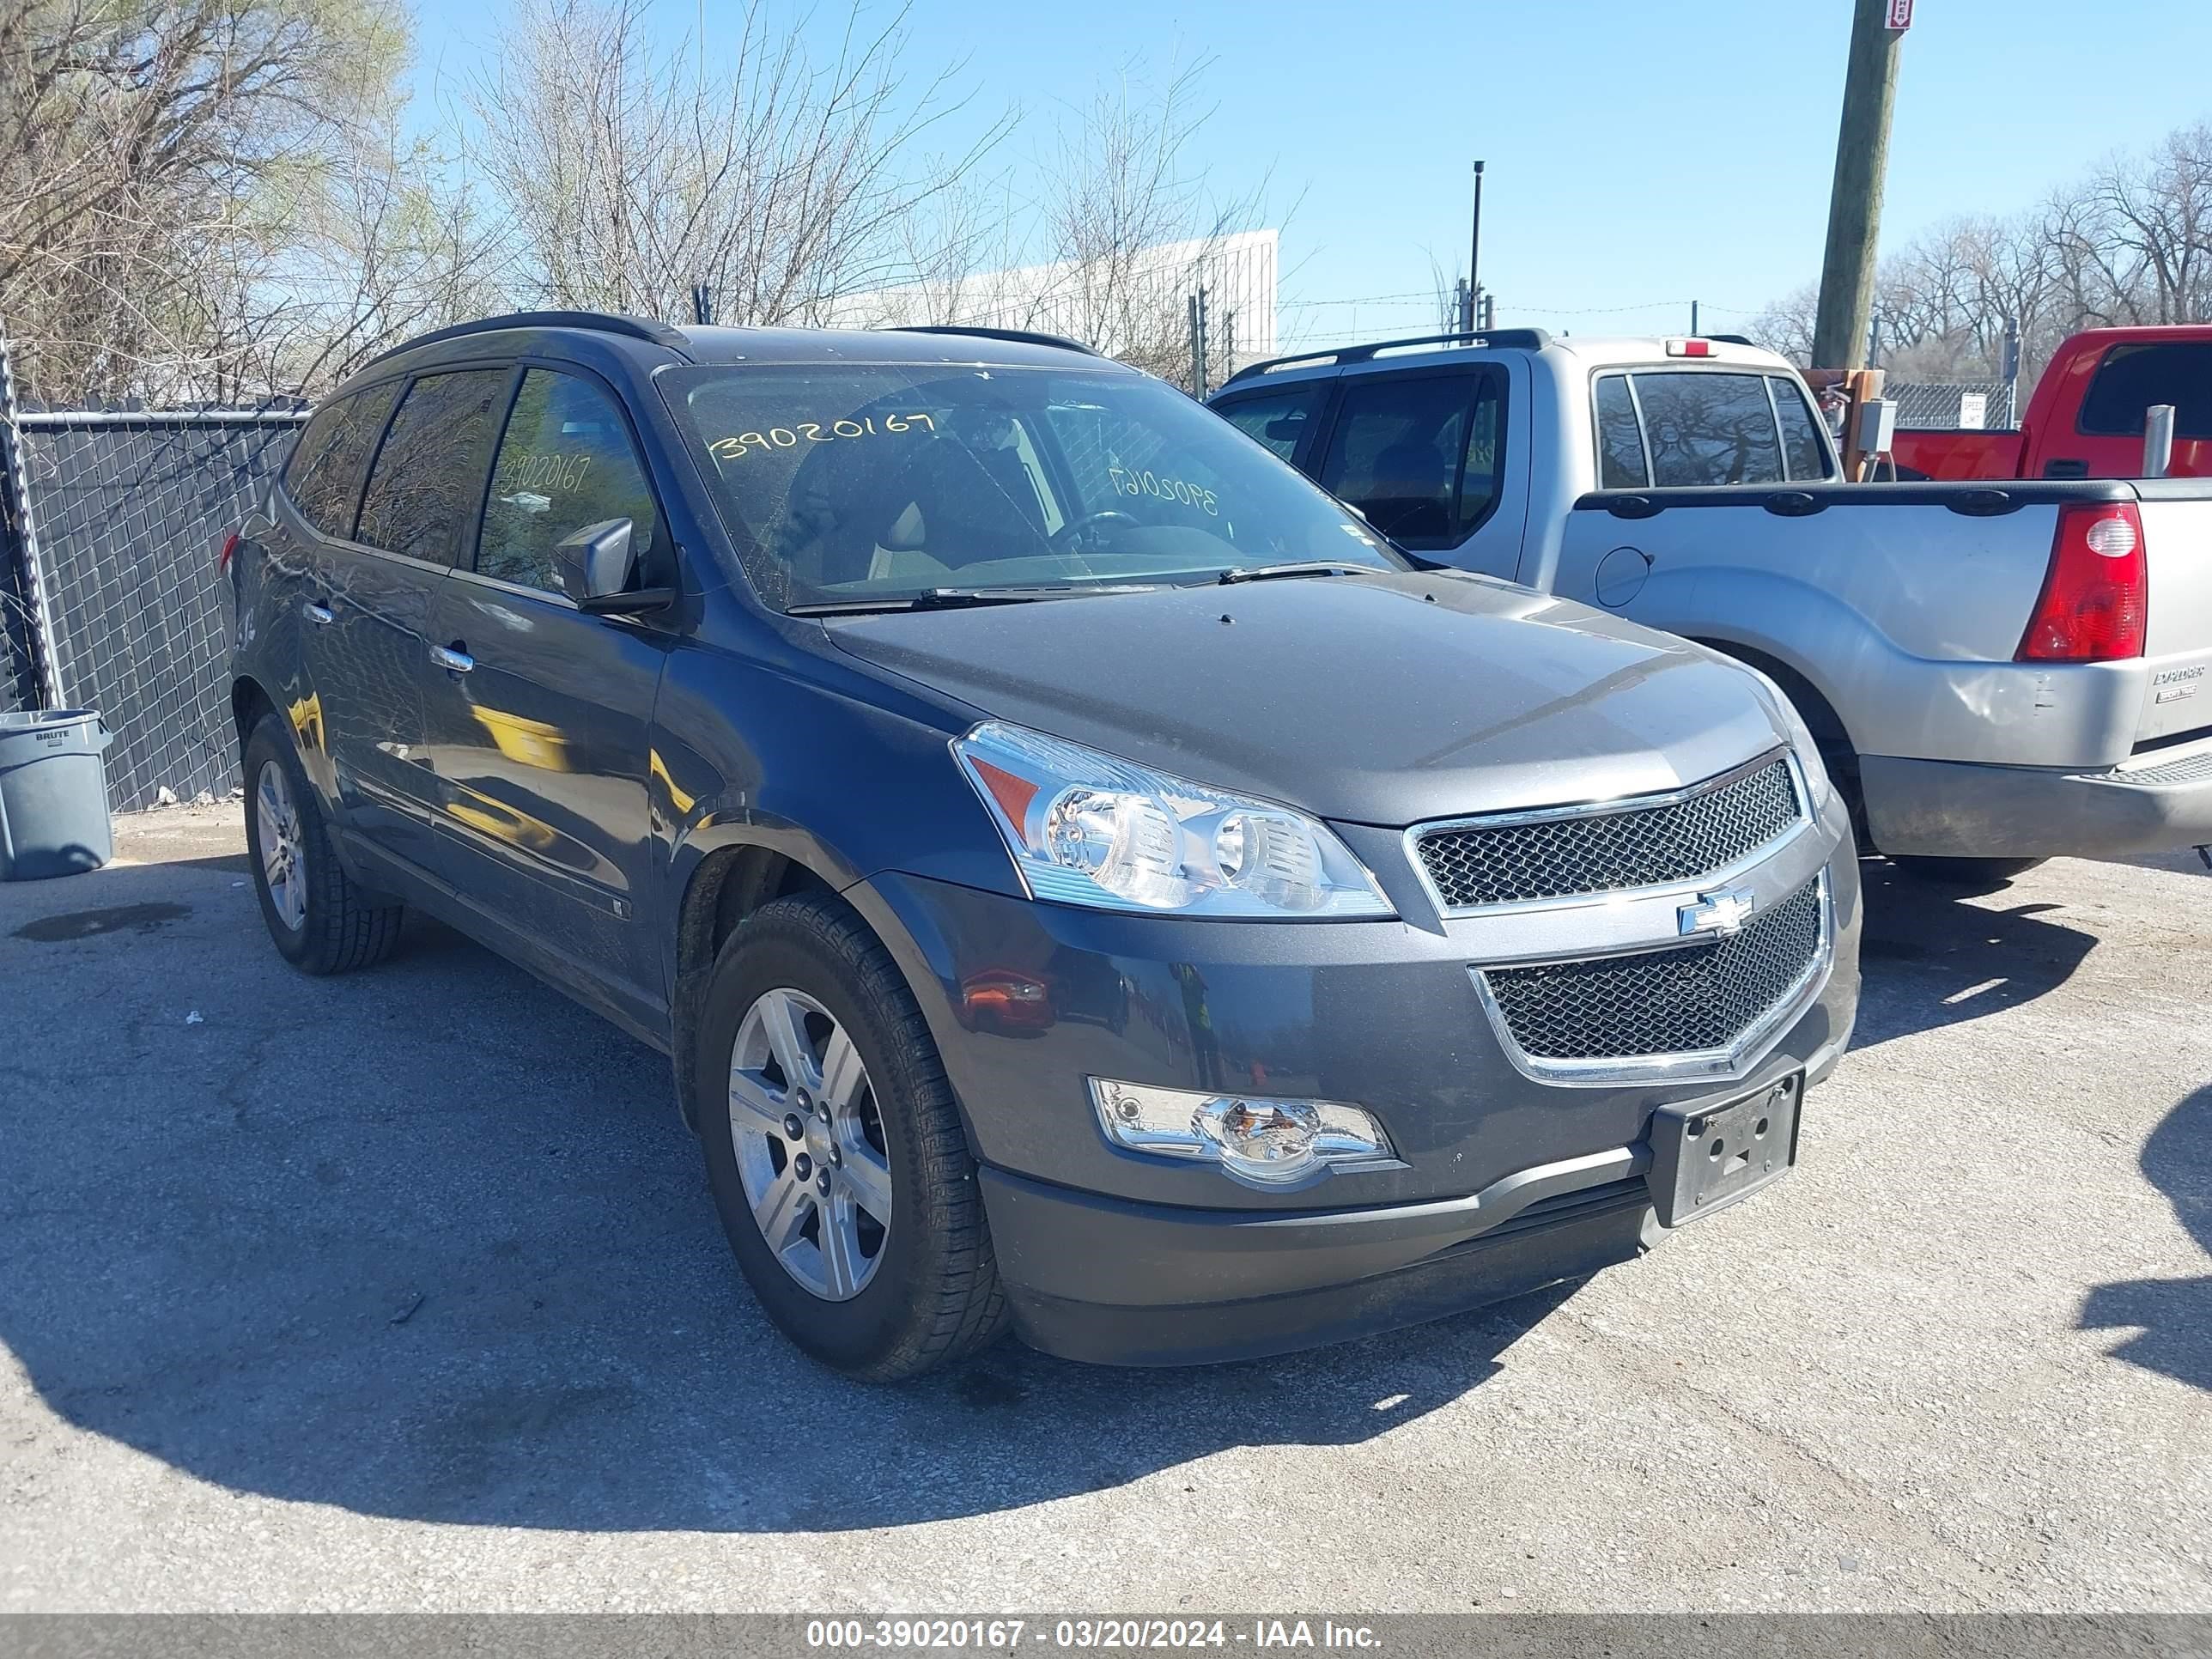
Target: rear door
<point x="311" y="517"/>
<point x="538" y="726"/>
<point x="368" y="661"/>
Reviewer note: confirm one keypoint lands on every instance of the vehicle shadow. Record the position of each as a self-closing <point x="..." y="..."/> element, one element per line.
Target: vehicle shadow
<point x="2174" y="1316"/>
<point x="425" y="1242"/>
<point x="1933" y="958"/>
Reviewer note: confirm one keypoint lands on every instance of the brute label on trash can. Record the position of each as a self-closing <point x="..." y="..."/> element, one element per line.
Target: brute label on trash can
<point x="53" y="794"/>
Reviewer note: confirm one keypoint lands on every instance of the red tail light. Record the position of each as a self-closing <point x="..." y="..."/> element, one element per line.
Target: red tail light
<point x="2096" y="596"/>
<point x="223" y="559"/>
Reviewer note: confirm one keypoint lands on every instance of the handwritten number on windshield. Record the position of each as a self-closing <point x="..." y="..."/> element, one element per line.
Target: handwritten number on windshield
<point x="1130" y="481"/>
<point x="816" y="432"/>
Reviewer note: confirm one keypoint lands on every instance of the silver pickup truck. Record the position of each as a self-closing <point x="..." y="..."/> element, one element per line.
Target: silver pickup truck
<point x="1994" y="672"/>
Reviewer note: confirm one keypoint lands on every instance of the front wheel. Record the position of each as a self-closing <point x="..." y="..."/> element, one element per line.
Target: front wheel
<point x="321" y="919"/>
<point x="834" y="1152"/>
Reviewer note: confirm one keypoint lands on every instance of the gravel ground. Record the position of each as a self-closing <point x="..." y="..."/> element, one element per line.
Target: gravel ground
<point x="403" y="1291"/>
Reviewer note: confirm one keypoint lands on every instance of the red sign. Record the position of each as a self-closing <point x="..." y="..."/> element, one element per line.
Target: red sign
<point x="1900" y="14"/>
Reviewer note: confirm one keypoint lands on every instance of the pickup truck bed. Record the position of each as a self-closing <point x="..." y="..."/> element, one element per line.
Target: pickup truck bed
<point x="1894" y="615"/>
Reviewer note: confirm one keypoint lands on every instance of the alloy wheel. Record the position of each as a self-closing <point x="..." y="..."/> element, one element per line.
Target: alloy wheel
<point x="811" y="1148"/>
<point x="283" y="856"/>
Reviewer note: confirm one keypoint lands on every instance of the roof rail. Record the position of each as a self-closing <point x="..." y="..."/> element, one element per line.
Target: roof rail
<point x="1734" y="339"/>
<point x="602" y="322"/>
<point x="1502" y="339"/>
<point x="1018" y="336"/>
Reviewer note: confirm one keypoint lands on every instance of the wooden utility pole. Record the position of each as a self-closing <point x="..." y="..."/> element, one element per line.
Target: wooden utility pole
<point x="1839" y="332"/>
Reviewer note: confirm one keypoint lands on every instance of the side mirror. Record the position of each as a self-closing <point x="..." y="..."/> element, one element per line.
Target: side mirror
<point x="1284" y="429"/>
<point x="596" y="565"/>
<point x="596" y="561"/>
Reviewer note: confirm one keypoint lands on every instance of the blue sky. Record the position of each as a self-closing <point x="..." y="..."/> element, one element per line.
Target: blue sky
<point x="1639" y="155"/>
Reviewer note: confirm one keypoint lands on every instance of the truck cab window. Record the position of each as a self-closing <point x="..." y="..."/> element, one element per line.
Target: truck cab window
<point x="2133" y="377"/>
<point x="1704" y="427"/>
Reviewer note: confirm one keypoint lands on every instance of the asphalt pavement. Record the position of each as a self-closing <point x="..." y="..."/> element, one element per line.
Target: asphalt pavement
<point x="403" y="1291"/>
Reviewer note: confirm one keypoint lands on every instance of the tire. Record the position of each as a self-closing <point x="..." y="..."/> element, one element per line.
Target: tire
<point x="321" y="919"/>
<point x="1967" y="875"/>
<point x="929" y="1295"/>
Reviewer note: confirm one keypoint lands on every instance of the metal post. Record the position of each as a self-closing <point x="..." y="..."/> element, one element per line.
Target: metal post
<point x="1201" y="340"/>
<point x="1462" y="317"/>
<point x="1489" y="312"/>
<point x="702" y="304"/>
<point x="2011" y="366"/>
<point x="1229" y="344"/>
<point x="1197" y="367"/>
<point x="16" y="480"/>
<point x="1855" y="199"/>
<point x="1474" y="254"/>
<point x="1693" y="319"/>
<point x="2158" y="440"/>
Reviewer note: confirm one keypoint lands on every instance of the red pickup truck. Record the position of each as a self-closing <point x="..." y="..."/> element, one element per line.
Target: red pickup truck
<point x="2085" y="419"/>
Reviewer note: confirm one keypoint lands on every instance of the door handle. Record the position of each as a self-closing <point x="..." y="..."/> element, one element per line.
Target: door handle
<point x="318" y="614"/>
<point x="452" y="657"/>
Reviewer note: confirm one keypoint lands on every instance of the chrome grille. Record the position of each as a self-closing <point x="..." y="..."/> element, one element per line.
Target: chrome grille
<point x="1606" y="851"/>
<point x="1693" y="999"/>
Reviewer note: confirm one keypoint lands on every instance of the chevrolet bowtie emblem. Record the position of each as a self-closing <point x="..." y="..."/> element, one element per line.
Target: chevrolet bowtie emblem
<point x="1718" y="913"/>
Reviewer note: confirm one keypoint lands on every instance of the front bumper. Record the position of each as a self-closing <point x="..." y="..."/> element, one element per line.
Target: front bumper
<point x="1115" y="1282"/>
<point x="1506" y="1182"/>
<point x="1955" y="809"/>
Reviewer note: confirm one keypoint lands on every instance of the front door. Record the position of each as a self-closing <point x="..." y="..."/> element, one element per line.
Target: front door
<point x="538" y="726"/>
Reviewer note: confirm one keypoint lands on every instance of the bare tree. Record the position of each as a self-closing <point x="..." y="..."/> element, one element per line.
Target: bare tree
<point x="628" y="173"/>
<point x="151" y="154"/>
<point x="2132" y="243"/>
<point x="1128" y="225"/>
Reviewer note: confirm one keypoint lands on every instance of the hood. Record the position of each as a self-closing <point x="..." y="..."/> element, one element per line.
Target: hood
<point x="1383" y="699"/>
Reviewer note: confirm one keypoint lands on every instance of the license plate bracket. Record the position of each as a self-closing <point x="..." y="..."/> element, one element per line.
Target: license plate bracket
<point x="1706" y="1156"/>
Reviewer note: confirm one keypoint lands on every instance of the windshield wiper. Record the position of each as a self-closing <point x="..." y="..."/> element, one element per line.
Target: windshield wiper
<point x="1264" y="573"/>
<point x="955" y="598"/>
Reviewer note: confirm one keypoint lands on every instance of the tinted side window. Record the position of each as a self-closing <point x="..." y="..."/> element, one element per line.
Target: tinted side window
<point x="2133" y="377"/>
<point x="566" y="461"/>
<point x="323" y="478"/>
<point x="1620" y="439"/>
<point x="1403" y="447"/>
<point x="1707" y="428"/>
<point x="1279" y="422"/>
<point x="430" y="473"/>
<point x="1802" y="448"/>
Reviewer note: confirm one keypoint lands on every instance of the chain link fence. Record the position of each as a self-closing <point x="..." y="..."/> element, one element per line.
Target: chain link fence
<point x="111" y="522"/>
<point x="1951" y="403"/>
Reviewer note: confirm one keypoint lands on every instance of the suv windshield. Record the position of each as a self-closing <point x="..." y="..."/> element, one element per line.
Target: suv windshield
<point x="857" y="483"/>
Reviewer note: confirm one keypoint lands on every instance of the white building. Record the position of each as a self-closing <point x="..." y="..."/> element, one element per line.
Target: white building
<point x="1106" y="303"/>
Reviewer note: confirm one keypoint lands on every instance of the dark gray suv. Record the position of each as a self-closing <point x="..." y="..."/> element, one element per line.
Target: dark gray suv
<point x="1086" y="879"/>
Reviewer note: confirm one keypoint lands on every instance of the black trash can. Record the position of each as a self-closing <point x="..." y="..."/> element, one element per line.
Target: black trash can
<point x="53" y="794"/>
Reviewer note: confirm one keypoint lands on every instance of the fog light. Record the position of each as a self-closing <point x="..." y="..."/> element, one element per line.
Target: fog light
<point x="1254" y="1139"/>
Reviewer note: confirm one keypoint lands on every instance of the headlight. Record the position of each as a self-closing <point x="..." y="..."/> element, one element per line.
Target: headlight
<point x="1263" y="1142"/>
<point x="1085" y="828"/>
<point x="1801" y="738"/>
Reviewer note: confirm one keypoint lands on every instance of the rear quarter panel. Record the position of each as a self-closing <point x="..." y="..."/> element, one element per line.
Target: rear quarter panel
<point x="1903" y="613"/>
